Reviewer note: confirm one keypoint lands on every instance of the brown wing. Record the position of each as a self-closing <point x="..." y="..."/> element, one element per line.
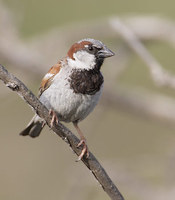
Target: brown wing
<point x="47" y="80"/>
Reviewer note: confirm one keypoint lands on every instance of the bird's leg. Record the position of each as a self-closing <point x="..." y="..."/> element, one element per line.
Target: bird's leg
<point x="82" y="142"/>
<point x="54" y="117"/>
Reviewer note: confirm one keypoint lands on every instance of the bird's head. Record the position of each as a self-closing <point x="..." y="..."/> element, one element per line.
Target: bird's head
<point x="88" y="54"/>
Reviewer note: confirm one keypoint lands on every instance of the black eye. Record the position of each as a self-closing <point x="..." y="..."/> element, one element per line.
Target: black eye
<point x="90" y="48"/>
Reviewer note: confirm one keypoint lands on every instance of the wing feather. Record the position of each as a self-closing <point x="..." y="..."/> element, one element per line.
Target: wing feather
<point x="48" y="78"/>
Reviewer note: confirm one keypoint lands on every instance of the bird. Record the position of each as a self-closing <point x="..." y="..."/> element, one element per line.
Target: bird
<point x="71" y="89"/>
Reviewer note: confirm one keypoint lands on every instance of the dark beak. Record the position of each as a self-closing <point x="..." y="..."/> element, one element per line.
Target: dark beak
<point x="105" y="53"/>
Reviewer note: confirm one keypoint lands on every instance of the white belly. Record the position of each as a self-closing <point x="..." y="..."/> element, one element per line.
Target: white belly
<point x="68" y="105"/>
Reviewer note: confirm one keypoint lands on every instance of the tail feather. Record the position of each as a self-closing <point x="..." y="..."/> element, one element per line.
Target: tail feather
<point x="34" y="128"/>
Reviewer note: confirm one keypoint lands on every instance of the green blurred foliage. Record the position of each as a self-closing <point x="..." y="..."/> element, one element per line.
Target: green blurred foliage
<point x="39" y="15"/>
<point x="138" y="149"/>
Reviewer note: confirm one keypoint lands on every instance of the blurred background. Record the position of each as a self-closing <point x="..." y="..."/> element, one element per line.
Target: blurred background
<point x="131" y="131"/>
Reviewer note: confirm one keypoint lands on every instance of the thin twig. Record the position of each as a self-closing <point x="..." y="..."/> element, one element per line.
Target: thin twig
<point x="155" y="28"/>
<point x="94" y="166"/>
<point x="154" y="106"/>
<point x="159" y="75"/>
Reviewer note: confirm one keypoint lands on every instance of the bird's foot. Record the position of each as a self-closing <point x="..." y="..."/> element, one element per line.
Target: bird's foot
<point x="54" y="117"/>
<point x="84" y="151"/>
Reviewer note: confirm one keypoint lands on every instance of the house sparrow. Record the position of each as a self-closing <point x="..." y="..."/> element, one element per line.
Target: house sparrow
<point x="72" y="88"/>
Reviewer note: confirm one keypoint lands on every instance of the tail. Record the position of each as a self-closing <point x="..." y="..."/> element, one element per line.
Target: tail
<point x="34" y="128"/>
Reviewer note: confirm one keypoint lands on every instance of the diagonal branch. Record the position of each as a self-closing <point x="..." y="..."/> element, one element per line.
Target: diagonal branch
<point x="159" y="75"/>
<point x="92" y="163"/>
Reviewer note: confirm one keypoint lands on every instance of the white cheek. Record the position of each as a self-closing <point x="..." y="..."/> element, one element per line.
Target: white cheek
<point x="83" y="60"/>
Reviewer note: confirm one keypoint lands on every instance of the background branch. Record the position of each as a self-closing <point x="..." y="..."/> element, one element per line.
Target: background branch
<point x="141" y="102"/>
<point x="159" y="75"/>
<point x="92" y="163"/>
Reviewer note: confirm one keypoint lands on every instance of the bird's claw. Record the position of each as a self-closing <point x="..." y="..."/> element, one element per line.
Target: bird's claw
<point x="54" y="117"/>
<point x="84" y="150"/>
